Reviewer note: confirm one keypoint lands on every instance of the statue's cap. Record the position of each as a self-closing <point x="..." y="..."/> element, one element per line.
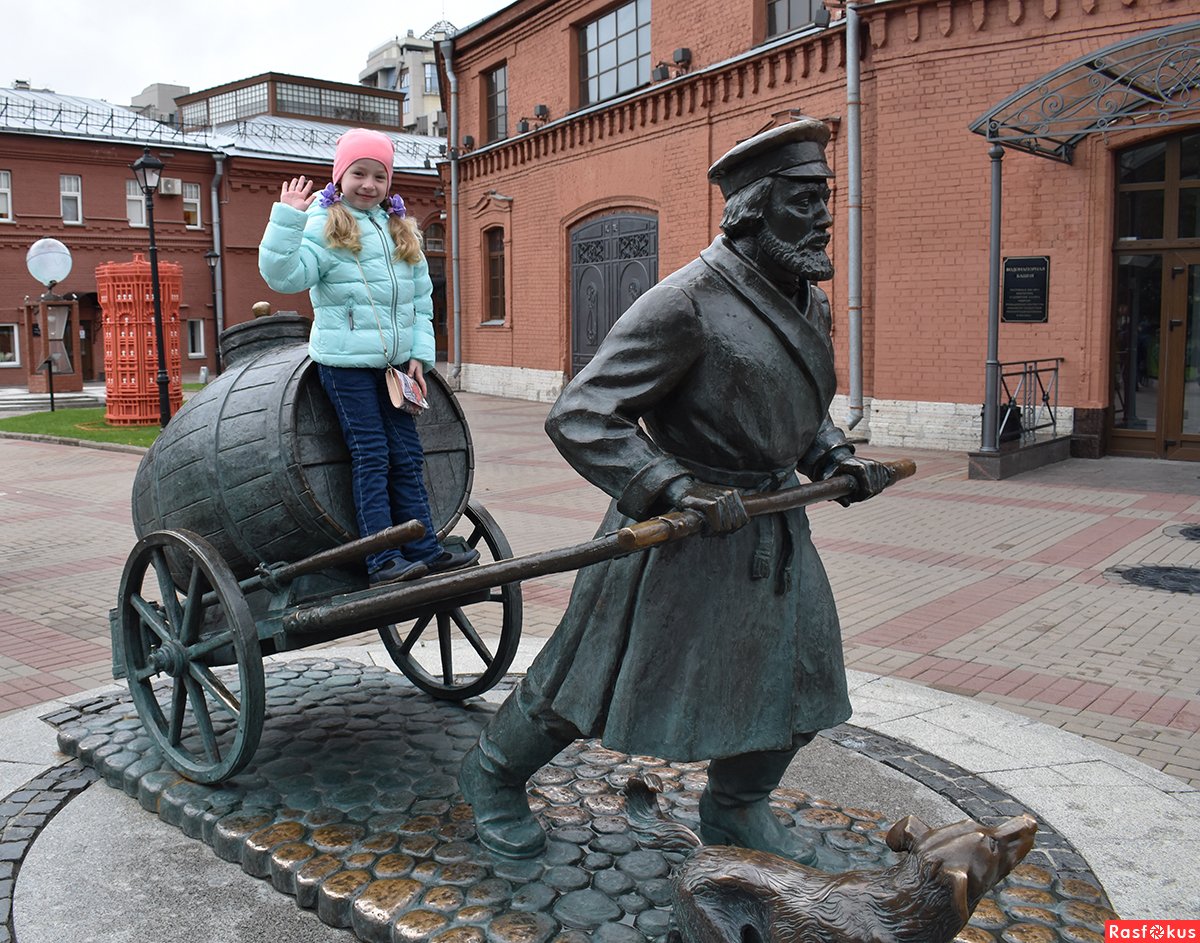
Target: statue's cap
<point x="795" y="149"/>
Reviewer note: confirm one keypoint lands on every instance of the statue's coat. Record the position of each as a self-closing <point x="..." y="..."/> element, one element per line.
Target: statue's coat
<point x="705" y="647"/>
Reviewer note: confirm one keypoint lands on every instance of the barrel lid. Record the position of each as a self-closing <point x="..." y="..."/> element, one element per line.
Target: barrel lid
<point x="251" y="337"/>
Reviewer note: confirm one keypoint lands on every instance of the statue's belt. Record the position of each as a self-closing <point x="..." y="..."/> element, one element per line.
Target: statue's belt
<point x="743" y="479"/>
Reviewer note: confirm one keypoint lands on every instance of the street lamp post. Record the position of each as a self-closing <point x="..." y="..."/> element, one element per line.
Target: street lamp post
<point x="212" y="257"/>
<point x="147" y="169"/>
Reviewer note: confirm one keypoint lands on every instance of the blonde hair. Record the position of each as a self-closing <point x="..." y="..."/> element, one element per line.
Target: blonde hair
<point x="341" y="232"/>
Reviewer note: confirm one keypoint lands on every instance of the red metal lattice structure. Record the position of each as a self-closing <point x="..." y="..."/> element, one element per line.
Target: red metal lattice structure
<point x="130" y="355"/>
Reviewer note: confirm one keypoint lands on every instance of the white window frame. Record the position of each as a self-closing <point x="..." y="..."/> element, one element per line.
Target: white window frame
<point x="195" y="338"/>
<point x="65" y="195"/>
<point x="16" y="346"/>
<point x="194" y="201"/>
<point x="135" y="204"/>
<point x="6" y="214"/>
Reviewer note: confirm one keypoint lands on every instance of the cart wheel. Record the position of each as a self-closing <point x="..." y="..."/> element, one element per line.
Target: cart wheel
<point x="463" y="663"/>
<point x="207" y="727"/>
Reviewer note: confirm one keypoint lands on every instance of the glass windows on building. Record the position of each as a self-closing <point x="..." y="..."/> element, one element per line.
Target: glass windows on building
<point x="431" y="80"/>
<point x="783" y="16"/>
<point x="70" y="187"/>
<point x="495" y="275"/>
<point x="191" y="205"/>
<point x="10" y="353"/>
<point x="1156" y="303"/>
<point x="317" y="102"/>
<point x="6" y="209"/>
<point x="135" y="203"/>
<point x="495" y="94"/>
<point x="435" y="238"/>
<point x="614" y="52"/>
<point x="195" y="337"/>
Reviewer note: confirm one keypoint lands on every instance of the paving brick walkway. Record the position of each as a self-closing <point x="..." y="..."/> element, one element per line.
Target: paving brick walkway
<point x="995" y="590"/>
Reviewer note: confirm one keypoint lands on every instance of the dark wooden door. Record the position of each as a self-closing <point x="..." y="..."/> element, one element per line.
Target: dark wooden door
<point x="613" y="260"/>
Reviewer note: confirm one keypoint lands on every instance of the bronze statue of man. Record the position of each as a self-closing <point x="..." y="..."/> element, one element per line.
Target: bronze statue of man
<point x="716" y="382"/>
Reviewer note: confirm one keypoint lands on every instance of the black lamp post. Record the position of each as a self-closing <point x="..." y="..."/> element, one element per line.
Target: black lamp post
<point x="212" y="257"/>
<point x="147" y="169"/>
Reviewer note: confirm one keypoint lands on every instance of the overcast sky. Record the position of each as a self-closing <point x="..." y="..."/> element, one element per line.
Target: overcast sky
<point x="102" y="49"/>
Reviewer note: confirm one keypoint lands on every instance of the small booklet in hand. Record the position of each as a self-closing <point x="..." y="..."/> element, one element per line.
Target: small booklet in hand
<point x="404" y="392"/>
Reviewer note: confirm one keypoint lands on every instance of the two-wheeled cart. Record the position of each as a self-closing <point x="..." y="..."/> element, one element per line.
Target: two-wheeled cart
<point x="248" y="548"/>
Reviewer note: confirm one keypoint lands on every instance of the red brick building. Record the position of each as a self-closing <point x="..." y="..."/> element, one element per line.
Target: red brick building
<point x="586" y="128"/>
<point x="64" y="174"/>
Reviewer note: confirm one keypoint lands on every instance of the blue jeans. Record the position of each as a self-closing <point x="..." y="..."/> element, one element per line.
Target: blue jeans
<point x="386" y="461"/>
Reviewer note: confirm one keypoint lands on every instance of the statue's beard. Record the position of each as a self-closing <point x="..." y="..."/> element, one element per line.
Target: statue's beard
<point x="811" y="264"/>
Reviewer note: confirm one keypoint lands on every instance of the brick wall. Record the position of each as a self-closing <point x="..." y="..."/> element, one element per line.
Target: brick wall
<point x="930" y="68"/>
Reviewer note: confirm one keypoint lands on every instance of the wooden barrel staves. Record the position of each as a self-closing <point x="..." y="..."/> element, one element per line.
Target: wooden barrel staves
<point x="256" y="464"/>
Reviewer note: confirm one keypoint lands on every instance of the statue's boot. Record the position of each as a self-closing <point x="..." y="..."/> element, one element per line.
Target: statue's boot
<point x="735" y="809"/>
<point x="493" y="775"/>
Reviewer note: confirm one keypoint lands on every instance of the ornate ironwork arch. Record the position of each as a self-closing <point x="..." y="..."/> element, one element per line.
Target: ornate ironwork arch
<point x="1152" y="79"/>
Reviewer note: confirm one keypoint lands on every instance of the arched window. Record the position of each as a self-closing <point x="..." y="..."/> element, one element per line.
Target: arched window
<point x="494" y="308"/>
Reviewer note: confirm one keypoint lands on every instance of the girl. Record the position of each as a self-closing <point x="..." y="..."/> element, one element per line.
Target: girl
<point x="355" y="249"/>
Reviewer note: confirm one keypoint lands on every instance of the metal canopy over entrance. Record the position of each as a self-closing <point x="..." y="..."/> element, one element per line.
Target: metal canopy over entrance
<point x="1149" y="81"/>
<point x="1152" y="80"/>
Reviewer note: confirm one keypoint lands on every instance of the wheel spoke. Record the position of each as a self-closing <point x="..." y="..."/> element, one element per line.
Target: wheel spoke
<point x="178" y="706"/>
<point x="447" y="652"/>
<point x="214" y="686"/>
<point x="145" y="674"/>
<point x="166" y="587"/>
<point x="476" y="536"/>
<point x="151" y="618"/>
<point x="193" y="606"/>
<point x="468" y="631"/>
<point x="411" y="639"/>
<point x="210" y="644"/>
<point x="203" y="719"/>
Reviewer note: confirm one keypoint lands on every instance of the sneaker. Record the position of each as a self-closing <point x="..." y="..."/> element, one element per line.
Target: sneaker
<point x="398" y="570"/>
<point x="453" y="560"/>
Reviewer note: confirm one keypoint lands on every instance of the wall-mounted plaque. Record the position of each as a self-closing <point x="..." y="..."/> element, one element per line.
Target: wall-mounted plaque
<point x="1026" y="291"/>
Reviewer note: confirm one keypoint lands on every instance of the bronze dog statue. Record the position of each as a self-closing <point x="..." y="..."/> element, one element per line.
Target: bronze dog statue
<point x="735" y="895"/>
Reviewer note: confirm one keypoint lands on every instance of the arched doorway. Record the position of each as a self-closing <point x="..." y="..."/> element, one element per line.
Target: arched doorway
<point x="613" y="260"/>
<point x="1156" y="310"/>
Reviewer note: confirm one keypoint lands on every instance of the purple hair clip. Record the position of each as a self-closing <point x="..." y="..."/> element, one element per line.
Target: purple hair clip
<point x="395" y="206"/>
<point x="329" y="196"/>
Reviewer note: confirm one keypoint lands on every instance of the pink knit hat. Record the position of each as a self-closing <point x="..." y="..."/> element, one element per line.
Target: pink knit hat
<point x="359" y="143"/>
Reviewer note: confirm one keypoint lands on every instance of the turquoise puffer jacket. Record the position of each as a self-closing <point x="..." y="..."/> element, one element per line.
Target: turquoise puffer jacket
<point x="293" y="256"/>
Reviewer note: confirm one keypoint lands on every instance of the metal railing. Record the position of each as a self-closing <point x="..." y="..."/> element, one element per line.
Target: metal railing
<point x="1029" y="399"/>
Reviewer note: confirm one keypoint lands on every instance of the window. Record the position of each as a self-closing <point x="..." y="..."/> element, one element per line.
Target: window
<point x="783" y="16"/>
<point x="431" y="85"/>
<point x="135" y="203"/>
<point x="404" y="86"/>
<point x="70" y="188"/>
<point x="10" y="353"/>
<point x="614" y="52"/>
<point x="435" y="238"/>
<point x="6" y="212"/>
<point x="191" y="205"/>
<point x="496" y="96"/>
<point x="195" y="336"/>
<point x="495" y="270"/>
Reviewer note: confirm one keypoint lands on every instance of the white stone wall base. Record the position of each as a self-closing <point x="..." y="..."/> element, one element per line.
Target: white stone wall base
<point x="539" y="386"/>
<point x="917" y="424"/>
<point x="951" y="427"/>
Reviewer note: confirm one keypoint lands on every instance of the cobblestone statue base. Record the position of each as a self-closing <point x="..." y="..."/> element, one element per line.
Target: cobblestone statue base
<point x="351" y="806"/>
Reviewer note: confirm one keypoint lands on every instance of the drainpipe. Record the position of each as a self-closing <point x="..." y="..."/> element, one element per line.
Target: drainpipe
<point x="219" y="295"/>
<point x="855" y="414"/>
<point x="447" y="48"/>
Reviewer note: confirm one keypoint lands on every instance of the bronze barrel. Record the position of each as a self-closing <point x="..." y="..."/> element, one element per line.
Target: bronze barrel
<point x="255" y="461"/>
